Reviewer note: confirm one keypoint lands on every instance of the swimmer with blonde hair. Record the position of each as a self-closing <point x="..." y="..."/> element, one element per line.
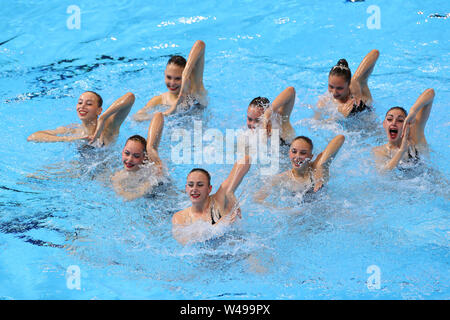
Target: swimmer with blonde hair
<point x="217" y="209"/>
<point x="306" y="175"/>
<point x="184" y="81"/>
<point x="133" y="181"/>
<point x="260" y="113"/>
<point x="102" y="129"/>
<point x="351" y="94"/>
<point x="405" y="133"/>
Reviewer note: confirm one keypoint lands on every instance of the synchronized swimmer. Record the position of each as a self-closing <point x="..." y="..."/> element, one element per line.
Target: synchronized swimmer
<point x="102" y="129"/>
<point x="405" y="133"/>
<point x="306" y="175"/>
<point x="262" y="114"/>
<point x="350" y="94"/>
<point x="184" y="81"/>
<point x="143" y="168"/>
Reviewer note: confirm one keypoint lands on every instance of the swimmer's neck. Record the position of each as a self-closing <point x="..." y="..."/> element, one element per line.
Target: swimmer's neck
<point x="89" y="127"/>
<point x="302" y="172"/>
<point x="200" y="208"/>
<point x="393" y="144"/>
<point x="172" y="96"/>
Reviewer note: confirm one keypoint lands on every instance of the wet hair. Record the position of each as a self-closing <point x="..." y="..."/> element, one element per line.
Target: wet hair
<point x="140" y="139"/>
<point x="260" y="102"/>
<point x="177" y="60"/>
<point x="99" y="98"/>
<point x="397" y="108"/>
<point x="203" y="171"/>
<point x="306" y="139"/>
<point x="341" y="69"/>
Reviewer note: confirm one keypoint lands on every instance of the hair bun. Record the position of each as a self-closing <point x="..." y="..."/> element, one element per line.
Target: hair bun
<point x="342" y="62"/>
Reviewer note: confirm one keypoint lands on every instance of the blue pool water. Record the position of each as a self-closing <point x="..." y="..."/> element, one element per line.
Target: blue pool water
<point x="56" y="205"/>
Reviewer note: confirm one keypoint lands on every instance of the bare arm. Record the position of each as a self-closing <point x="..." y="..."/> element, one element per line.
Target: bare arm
<point x="154" y="137"/>
<point x="142" y="114"/>
<point x="60" y="134"/>
<point x="322" y="163"/>
<point x="109" y="122"/>
<point x="418" y="116"/>
<point x="225" y="194"/>
<point x="358" y="85"/>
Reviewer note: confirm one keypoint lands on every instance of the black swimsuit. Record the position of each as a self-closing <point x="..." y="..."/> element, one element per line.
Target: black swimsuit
<point x="359" y="108"/>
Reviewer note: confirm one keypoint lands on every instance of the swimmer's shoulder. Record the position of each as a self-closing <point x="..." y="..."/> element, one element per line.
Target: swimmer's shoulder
<point x="380" y="151"/>
<point x="180" y="217"/>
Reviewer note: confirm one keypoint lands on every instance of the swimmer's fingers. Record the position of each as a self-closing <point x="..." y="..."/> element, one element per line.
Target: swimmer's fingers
<point x="238" y="213"/>
<point x="347" y="109"/>
<point x="408" y="121"/>
<point x="405" y="138"/>
<point x="318" y="185"/>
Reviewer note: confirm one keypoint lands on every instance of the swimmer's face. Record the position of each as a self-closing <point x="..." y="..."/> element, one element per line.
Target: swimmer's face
<point x="338" y="87"/>
<point x="254" y="116"/>
<point x="197" y="186"/>
<point x="173" y="76"/>
<point x="88" y="108"/>
<point x="393" y="124"/>
<point x="133" y="155"/>
<point x="300" y="151"/>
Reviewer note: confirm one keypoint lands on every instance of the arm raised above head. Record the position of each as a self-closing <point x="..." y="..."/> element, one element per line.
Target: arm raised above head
<point x="110" y="121"/>
<point x="418" y="116"/>
<point x="154" y="134"/>
<point x="236" y="175"/>
<point x="330" y="151"/>
<point x="282" y="104"/>
<point x="195" y="66"/>
<point x="322" y="163"/>
<point x="366" y="66"/>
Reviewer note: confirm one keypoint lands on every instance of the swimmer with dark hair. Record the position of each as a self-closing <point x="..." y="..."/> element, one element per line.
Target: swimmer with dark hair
<point x="142" y="166"/>
<point x="184" y="81"/>
<point x="351" y="94"/>
<point x="218" y="209"/>
<point x="306" y="175"/>
<point x="262" y="114"/>
<point x="405" y="133"/>
<point x="103" y="130"/>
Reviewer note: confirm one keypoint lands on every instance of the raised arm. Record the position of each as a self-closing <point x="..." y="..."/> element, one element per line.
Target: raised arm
<point x="225" y="194"/>
<point x="322" y="163"/>
<point x="358" y="85"/>
<point x="143" y="114"/>
<point x="194" y="68"/>
<point x="418" y="116"/>
<point x="109" y="122"/>
<point x="154" y="137"/>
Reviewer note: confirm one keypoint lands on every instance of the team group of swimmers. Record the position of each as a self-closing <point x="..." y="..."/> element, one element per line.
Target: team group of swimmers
<point x="184" y="81"/>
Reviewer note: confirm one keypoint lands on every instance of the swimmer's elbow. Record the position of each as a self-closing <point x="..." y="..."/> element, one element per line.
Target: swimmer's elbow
<point x="430" y="93"/>
<point x="376" y="53"/>
<point x="129" y="98"/>
<point x="201" y="44"/>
